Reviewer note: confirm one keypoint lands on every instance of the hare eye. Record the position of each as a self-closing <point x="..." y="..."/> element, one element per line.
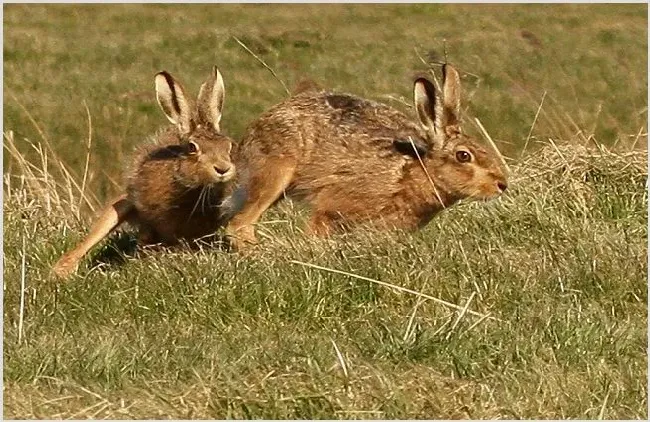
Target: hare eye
<point x="463" y="156"/>
<point x="192" y="148"/>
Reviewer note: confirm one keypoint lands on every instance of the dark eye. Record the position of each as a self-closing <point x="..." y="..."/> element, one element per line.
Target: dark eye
<point x="192" y="148"/>
<point x="463" y="156"/>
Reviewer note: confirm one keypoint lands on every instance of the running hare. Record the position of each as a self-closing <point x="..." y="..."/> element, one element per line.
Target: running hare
<point x="179" y="185"/>
<point x="357" y="161"/>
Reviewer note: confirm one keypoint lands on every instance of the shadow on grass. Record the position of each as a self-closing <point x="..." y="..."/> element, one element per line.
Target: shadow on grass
<point x="120" y="247"/>
<point x="124" y="245"/>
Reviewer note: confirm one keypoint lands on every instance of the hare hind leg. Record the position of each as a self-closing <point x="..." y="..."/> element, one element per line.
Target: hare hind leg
<point x="322" y="224"/>
<point x="334" y="210"/>
<point x="118" y="211"/>
<point x="264" y="188"/>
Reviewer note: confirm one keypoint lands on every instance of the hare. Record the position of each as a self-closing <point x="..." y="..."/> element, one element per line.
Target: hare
<point x="357" y="161"/>
<point x="179" y="186"/>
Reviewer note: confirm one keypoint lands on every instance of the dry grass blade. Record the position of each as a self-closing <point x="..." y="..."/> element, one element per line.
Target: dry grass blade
<point x="636" y="139"/>
<point x="264" y="64"/>
<point x="469" y="269"/>
<point x="489" y="138"/>
<point x="428" y="64"/>
<point x="396" y="99"/>
<point x="85" y="176"/>
<point x="435" y="191"/>
<point x="410" y="327"/>
<point x="471" y="327"/>
<point x="559" y="153"/>
<point x="46" y="174"/>
<point x="393" y="286"/>
<point x="596" y="119"/>
<point x="68" y="178"/>
<point x="21" y="317"/>
<point x="45" y="186"/>
<point x="601" y="414"/>
<point x="26" y="167"/>
<point x="541" y="103"/>
<point x="339" y="356"/>
<point x="461" y="315"/>
<point x="31" y="120"/>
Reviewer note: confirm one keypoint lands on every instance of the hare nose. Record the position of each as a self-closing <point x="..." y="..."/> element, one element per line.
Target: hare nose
<point x="221" y="171"/>
<point x="502" y="186"/>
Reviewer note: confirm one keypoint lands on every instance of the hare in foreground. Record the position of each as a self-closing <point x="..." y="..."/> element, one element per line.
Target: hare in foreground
<point x="357" y="161"/>
<point x="178" y="186"/>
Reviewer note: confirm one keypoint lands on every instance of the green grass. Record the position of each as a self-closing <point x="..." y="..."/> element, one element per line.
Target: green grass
<point x="557" y="266"/>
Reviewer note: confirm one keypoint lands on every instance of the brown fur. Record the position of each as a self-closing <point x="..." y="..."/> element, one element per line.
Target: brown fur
<point x="177" y="195"/>
<point x="179" y="186"/>
<point x="357" y="161"/>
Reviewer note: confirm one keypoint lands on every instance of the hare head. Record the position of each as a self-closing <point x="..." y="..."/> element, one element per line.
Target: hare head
<point x="458" y="163"/>
<point x="203" y="151"/>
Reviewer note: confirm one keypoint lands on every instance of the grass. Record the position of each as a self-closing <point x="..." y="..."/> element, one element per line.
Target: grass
<point x="548" y="283"/>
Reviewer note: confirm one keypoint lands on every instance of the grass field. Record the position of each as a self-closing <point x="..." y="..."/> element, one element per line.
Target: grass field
<point x="531" y="306"/>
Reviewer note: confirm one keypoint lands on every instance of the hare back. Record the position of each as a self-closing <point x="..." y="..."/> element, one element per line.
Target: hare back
<point x="333" y="139"/>
<point x="163" y="144"/>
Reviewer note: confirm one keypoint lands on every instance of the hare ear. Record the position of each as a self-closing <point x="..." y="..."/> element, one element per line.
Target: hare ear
<point x="173" y="101"/>
<point x="429" y="113"/>
<point x="210" y="101"/>
<point x="451" y="95"/>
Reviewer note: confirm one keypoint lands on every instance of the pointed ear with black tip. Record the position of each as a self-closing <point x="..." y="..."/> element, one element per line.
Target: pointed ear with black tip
<point x="428" y="110"/>
<point x="174" y="102"/>
<point x="411" y="147"/>
<point x="451" y="95"/>
<point x="210" y="100"/>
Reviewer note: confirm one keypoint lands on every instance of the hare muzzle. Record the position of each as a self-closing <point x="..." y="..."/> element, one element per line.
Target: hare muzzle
<point x="496" y="188"/>
<point x="224" y="172"/>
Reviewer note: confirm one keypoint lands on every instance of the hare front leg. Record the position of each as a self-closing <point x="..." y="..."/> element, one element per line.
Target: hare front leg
<point x="264" y="187"/>
<point x="118" y="211"/>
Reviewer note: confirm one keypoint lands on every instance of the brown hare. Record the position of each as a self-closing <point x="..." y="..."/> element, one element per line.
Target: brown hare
<point x="357" y="161"/>
<point x="178" y="187"/>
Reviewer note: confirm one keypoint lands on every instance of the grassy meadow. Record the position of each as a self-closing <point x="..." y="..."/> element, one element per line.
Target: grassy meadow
<point x="530" y="306"/>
